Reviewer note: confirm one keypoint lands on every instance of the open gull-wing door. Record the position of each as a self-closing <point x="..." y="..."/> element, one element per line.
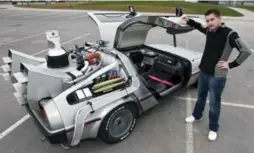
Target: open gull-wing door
<point x="133" y="32"/>
<point x="108" y="22"/>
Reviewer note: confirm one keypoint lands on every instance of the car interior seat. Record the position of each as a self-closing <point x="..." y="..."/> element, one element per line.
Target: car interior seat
<point x="159" y="71"/>
<point x="137" y="58"/>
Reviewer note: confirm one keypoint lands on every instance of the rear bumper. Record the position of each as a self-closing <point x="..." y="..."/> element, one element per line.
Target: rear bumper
<point x="54" y="137"/>
<point x="60" y="136"/>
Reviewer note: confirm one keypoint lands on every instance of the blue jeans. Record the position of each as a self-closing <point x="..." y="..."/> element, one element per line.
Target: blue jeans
<point x="215" y="87"/>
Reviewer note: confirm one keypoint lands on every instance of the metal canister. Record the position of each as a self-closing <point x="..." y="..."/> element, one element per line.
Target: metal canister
<point x="109" y="75"/>
<point x="103" y="77"/>
<point x="116" y="74"/>
<point x="97" y="80"/>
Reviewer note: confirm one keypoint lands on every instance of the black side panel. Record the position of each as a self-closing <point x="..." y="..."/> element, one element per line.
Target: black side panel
<point x="146" y="97"/>
<point x="58" y="138"/>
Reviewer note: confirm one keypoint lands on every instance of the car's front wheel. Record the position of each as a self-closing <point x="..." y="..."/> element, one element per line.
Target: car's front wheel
<point x="118" y="124"/>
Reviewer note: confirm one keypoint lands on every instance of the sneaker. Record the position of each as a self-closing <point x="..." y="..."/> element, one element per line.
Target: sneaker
<point x="191" y="119"/>
<point x="212" y="135"/>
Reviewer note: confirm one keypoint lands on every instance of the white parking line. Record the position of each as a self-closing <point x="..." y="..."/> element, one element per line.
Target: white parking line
<point x="37" y="15"/>
<point x="5" y="39"/>
<point x="26" y="117"/>
<point x="66" y="42"/>
<point x="16" y="15"/>
<point x="76" y="17"/>
<point x="2" y="32"/>
<point x="14" y="126"/>
<point x="223" y="103"/>
<point x="189" y="128"/>
<point x="23" y="38"/>
<point x="60" y="15"/>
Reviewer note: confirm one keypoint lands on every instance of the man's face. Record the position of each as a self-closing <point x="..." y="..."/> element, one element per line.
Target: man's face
<point x="212" y="21"/>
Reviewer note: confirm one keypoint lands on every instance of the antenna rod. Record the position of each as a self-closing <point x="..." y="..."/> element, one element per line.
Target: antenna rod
<point x="174" y="39"/>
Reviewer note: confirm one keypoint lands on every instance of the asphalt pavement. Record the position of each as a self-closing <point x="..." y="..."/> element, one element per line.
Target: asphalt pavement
<point x="161" y="130"/>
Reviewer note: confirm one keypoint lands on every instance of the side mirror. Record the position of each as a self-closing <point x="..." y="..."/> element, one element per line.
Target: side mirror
<point x="179" y="11"/>
<point x="132" y="10"/>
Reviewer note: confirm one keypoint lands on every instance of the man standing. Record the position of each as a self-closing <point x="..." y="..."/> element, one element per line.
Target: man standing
<point x="220" y="41"/>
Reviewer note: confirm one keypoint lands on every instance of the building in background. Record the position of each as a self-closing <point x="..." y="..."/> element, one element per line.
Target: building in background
<point x="224" y="2"/>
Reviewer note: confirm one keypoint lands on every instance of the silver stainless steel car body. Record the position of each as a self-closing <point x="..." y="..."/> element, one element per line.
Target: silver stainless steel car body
<point x="61" y="99"/>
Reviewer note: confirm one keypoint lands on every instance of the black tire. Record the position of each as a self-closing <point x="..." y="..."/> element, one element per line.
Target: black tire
<point x="126" y="116"/>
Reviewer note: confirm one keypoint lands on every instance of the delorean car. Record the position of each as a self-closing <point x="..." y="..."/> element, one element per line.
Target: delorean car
<point x="99" y="89"/>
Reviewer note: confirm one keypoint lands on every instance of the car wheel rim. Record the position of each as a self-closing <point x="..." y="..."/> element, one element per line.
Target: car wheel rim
<point x="120" y="123"/>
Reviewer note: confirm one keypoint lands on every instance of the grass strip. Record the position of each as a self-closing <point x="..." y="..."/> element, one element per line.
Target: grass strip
<point x="141" y="6"/>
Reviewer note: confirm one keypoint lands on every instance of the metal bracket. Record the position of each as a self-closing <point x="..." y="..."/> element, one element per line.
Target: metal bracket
<point x="79" y="125"/>
<point x="91" y="105"/>
<point x="43" y="139"/>
<point x="65" y="146"/>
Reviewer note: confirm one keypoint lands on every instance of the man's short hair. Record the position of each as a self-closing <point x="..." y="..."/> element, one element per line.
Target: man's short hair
<point x="214" y="11"/>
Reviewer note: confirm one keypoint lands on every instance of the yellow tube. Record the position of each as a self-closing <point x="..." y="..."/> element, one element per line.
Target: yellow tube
<point x="99" y="85"/>
<point x="109" y="87"/>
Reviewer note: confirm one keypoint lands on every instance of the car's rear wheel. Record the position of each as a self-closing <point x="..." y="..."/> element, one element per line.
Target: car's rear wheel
<point x="118" y="124"/>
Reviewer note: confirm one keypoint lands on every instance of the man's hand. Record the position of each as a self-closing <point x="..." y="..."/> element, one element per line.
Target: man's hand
<point x="223" y="64"/>
<point x="184" y="18"/>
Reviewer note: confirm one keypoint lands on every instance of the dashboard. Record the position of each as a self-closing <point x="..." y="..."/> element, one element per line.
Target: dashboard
<point x="150" y="57"/>
<point x="153" y="58"/>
